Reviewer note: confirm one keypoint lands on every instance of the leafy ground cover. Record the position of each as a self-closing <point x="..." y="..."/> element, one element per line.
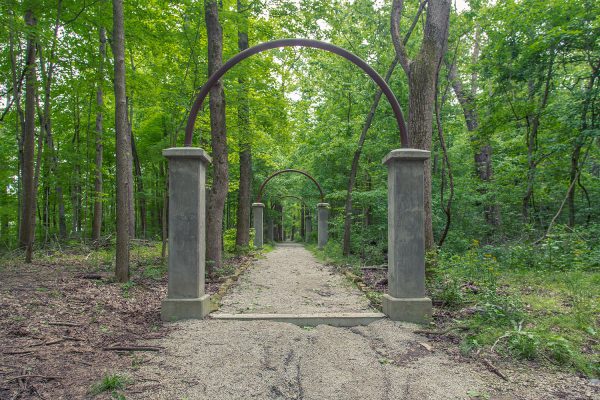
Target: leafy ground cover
<point x="61" y="315"/>
<point x="515" y="301"/>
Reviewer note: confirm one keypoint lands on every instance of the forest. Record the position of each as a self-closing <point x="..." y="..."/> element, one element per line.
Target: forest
<point x="505" y="94"/>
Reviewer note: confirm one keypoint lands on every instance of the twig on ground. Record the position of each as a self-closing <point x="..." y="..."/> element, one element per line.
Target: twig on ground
<point x="18" y="352"/>
<point x="32" y="376"/>
<point x="438" y="333"/>
<point x="493" y="369"/>
<point x="132" y="348"/>
<point x="59" y="323"/>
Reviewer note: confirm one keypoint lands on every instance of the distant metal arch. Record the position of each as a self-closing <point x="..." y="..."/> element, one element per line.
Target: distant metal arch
<point x="283" y="171"/>
<point x="292" y="197"/>
<point x="316" y="44"/>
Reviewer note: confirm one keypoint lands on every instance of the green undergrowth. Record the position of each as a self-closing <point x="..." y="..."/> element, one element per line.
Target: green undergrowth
<point x="112" y="383"/>
<point x="511" y="302"/>
<point x="520" y="301"/>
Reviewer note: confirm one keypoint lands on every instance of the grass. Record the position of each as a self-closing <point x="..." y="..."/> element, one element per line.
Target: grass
<point x="109" y="383"/>
<point x="535" y="312"/>
<point x="513" y="304"/>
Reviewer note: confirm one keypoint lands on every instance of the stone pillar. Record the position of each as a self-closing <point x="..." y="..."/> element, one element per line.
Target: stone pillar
<point x="405" y="300"/>
<point x="257" y="210"/>
<point x="307" y="228"/>
<point x="187" y="234"/>
<point x="322" y="227"/>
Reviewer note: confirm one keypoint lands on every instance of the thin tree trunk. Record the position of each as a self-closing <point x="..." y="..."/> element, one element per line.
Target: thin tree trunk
<point x="362" y="138"/>
<point x="139" y="183"/>
<point x="533" y="127"/>
<point x="577" y="148"/>
<point x="98" y="180"/>
<point x="483" y="156"/>
<point x="242" y="238"/>
<point x="19" y="121"/>
<point x="422" y="76"/>
<point x="123" y="147"/>
<point x="28" y="215"/>
<point x="218" y="130"/>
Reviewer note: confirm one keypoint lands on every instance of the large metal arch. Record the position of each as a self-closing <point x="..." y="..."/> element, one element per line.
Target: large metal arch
<point x="316" y="44"/>
<point x="284" y="171"/>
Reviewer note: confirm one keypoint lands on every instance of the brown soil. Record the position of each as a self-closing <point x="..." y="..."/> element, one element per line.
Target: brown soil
<point x="57" y="316"/>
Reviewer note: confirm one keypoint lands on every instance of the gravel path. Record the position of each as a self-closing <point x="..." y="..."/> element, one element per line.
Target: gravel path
<point x="234" y="360"/>
<point x="289" y="280"/>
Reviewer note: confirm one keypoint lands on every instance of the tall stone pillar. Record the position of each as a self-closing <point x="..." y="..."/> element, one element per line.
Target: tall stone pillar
<point x="307" y="227"/>
<point x="405" y="300"/>
<point x="322" y="224"/>
<point x="257" y="211"/>
<point x="187" y="234"/>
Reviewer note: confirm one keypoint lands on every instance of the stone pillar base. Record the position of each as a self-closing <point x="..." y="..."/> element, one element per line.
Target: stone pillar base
<point x="176" y="309"/>
<point x="416" y="310"/>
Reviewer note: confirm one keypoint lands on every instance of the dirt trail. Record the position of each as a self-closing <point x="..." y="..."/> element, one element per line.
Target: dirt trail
<point x="230" y="360"/>
<point x="290" y="280"/>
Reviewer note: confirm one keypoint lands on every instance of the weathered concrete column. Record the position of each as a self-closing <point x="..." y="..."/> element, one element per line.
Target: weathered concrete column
<point x="257" y="211"/>
<point x="307" y="227"/>
<point x="187" y="234"/>
<point x="322" y="224"/>
<point x="405" y="300"/>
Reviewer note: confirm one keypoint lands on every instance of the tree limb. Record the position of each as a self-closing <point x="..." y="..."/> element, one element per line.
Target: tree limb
<point x="401" y="53"/>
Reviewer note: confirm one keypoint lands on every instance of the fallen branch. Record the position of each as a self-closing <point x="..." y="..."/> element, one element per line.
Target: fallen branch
<point x="32" y="376"/>
<point x="18" y="352"/>
<point x="58" y="323"/>
<point x="73" y="339"/>
<point x="439" y="333"/>
<point x="132" y="348"/>
<point x="493" y="369"/>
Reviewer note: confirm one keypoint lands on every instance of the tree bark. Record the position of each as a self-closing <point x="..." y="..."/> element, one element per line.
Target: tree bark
<point x="123" y="146"/>
<point x="483" y="154"/>
<point x="218" y="130"/>
<point x="98" y="181"/>
<point x="137" y="168"/>
<point x="28" y="214"/>
<point x="362" y="138"/>
<point x="242" y="238"/>
<point x="422" y="75"/>
<point x="575" y="155"/>
<point x="19" y="120"/>
<point x="533" y="124"/>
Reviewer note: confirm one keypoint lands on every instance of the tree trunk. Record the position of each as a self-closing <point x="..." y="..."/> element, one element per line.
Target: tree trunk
<point x="422" y="74"/>
<point x="218" y="131"/>
<point x="575" y="155"/>
<point x="28" y="214"/>
<point x="533" y="124"/>
<point x="483" y="156"/>
<point x="242" y="238"/>
<point x="123" y="147"/>
<point x="139" y="183"/>
<point x="19" y="121"/>
<point x="97" y="220"/>
<point x="361" y="141"/>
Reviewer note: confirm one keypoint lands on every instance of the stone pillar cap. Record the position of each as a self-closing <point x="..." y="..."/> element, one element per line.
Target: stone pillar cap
<point x="258" y="205"/>
<point x="323" y="205"/>
<point x="406" y="154"/>
<point x="187" y="152"/>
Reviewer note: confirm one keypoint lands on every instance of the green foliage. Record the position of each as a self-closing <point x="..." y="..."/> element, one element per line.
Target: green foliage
<point x="110" y="383"/>
<point x="532" y="311"/>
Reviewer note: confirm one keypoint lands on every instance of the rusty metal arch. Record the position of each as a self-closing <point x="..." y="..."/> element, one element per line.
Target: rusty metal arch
<point x="285" y="196"/>
<point x="283" y="171"/>
<point x="316" y="44"/>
